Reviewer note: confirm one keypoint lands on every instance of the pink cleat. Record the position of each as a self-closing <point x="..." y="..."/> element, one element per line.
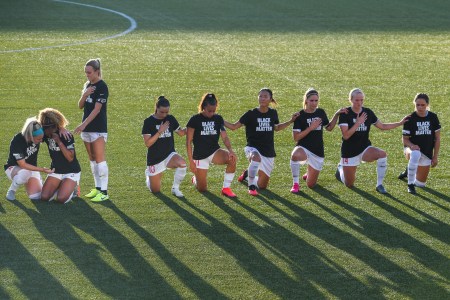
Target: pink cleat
<point x="295" y="188"/>
<point x="228" y="192"/>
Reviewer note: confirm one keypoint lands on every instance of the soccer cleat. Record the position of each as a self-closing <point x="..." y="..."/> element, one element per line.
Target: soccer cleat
<point x="92" y="193"/>
<point x="100" y="197"/>
<point x="305" y="176"/>
<point x="11" y="195"/>
<point x="228" y="192"/>
<point x="177" y="192"/>
<point x="380" y="189"/>
<point x="403" y="174"/>
<point x="412" y="189"/>
<point x="252" y="190"/>
<point x="295" y="188"/>
<point x="243" y="176"/>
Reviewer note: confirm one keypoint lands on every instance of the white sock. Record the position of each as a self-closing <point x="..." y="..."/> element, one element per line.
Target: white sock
<point x="381" y="170"/>
<point x="419" y="183"/>
<point x="412" y="165"/>
<point x="178" y="177"/>
<point x="147" y="182"/>
<point x="103" y="173"/>
<point x="94" y="170"/>
<point x="252" y="172"/>
<point x="228" y="179"/>
<point x="295" y="169"/>
<point x="341" y="173"/>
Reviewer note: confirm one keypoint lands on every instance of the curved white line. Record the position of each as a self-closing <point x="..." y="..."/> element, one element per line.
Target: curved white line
<point x="130" y="29"/>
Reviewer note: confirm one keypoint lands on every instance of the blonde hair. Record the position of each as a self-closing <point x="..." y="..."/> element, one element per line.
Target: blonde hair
<point x="51" y="116"/>
<point x="95" y="64"/>
<point x="354" y="92"/>
<point x="310" y="92"/>
<point x="30" y="125"/>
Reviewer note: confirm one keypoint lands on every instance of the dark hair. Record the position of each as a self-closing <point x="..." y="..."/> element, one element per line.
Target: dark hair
<point x="207" y="99"/>
<point x="422" y="96"/>
<point x="270" y="93"/>
<point x="162" y="102"/>
<point x="310" y="92"/>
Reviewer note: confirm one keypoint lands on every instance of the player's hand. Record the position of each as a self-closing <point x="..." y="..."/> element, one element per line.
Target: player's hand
<point x="79" y="129"/>
<point x="434" y="162"/>
<point x="232" y="156"/>
<point x="192" y="167"/>
<point x="163" y="127"/>
<point x="47" y="170"/>
<point x="89" y="91"/>
<point x="361" y="118"/>
<point x="316" y="123"/>
<point x="56" y="137"/>
<point x="65" y="133"/>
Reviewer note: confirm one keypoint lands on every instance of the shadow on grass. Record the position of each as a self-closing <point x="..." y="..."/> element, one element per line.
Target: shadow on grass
<point x="195" y="283"/>
<point x="245" y="253"/>
<point x="398" y="279"/>
<point x="28" y="273"/>
<point x="56" y="223"/>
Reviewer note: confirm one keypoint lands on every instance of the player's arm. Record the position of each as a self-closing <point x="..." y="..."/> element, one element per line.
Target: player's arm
<point x="437" y="146"/>
<point x="24" y="165"/>
<point x="149" y="139"/>
<point x="348" y="132"/>
<point x="92" y="115"/>
<point x="281" y="126"/>
<point x="232" y="126"/>
<point x="181" y="131"/>
<point x="407" y="143"/>
<point x="68" y="154"/>
<point x="227" y="143"/>
<point x="189" y="138"/>
<point x="335" y="118"/>
<point x="380" y="125"/>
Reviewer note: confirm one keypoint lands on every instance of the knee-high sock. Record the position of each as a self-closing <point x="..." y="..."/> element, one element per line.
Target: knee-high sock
<point x="295" y="169"/>
<point x="413" y="164"/>
<point x="381" y="170"/>
<point x="94" y="170"/>
<point x="103" y="173"/>
<point x="178" y="177"/>
<point x="227" y="179"/>
<point x="252" y="171"/>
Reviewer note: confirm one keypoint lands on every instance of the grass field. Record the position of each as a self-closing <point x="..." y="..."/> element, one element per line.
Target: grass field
<point x="330" y="242"/>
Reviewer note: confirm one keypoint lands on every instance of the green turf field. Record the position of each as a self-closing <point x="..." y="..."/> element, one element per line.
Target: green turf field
<point x="327" y="243"/>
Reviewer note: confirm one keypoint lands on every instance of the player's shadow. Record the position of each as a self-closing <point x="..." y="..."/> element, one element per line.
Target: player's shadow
<point x="57" y="224"/>
<point x="243" y="251"/>
<point x="201" y="288"/>
<point x="435" y="193"/>
<point x="375" y="229"/>
<point x="26" y="270"/>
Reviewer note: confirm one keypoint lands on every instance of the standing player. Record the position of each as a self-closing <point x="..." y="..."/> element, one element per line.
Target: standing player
<point x="21" y="167"/>
<point x="93" y="129"/>
<point x="308" y="133"/>
<point x="260" y="125"/>
<point x="422" y="140"/>
<point x="158" y="133"/>
<point x="203" y="131"/>
<point x="60" y="184"/>
<point x="356" y="146"/>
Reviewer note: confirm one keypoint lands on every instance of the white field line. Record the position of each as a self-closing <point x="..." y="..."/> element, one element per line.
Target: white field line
<point x="132" y="27"/>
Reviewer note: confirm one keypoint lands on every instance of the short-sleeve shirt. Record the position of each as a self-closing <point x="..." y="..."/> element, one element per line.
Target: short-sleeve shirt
<point x="100" y="95"/>
<point x="359" y="141"/>
<point x="314" y="140"/>
<point x="422" y="131"/>
<point x="206" y="134"/>
<point x="59" y="162"/>
<point x="259" y="130"/>
<point x="165" y="145"/>
<point x="19" y="149"/>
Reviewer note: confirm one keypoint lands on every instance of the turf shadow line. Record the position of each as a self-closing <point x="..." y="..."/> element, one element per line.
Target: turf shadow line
<point x="436" y="193"/>
<point x="399" y="279"/>
<point x="56" y="223"/>
<point x="194" y="282"/>
<point x="389" y="236"/>
<point x="31" y="276"/>
<point x="248" y="257"/>
<point x="308" y="262"/>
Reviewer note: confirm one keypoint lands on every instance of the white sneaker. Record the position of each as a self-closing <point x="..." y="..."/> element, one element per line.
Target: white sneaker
<point x="11" y="195"/>
<point x="177" y="192"/>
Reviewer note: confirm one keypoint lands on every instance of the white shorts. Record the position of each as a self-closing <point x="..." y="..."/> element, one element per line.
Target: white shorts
<point x="267" y="163"/>
<point x="316" y="162"/>
<point x="424" y="161"/>
<point x="72" y="176"/>
<point x="34" y="174"/>
<point x="90" y="137"/>
<point x="159" y="167"/>
<point x="355" y="160"/>
<point x="204" y="163"/>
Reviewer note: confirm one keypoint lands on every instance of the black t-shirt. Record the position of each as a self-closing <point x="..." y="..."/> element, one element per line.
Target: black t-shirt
<point x="165" y="143"/>
<point x="59" y="162"/>
<point x="422" y="131"/>
<point x="359" y="141"/>
<point x="100" y="95"/>
<point x="314" y="140"/>
<point x="206" y="134"/>
<point x="19" y="149"/>
<point x="259" y="130"/>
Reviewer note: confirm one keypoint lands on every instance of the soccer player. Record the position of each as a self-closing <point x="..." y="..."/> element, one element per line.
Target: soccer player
<point x="308" y="133"/>
<point x="94" y="129"/>
<point x="422" y="140"/>
<point x="260" y="125"/>
<point x="356" y="146"/>
<point x="157" y="131"/>
<point x="61" y="184"/>
<point x="21" y="167"/>
<point x="203" y="131"/>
